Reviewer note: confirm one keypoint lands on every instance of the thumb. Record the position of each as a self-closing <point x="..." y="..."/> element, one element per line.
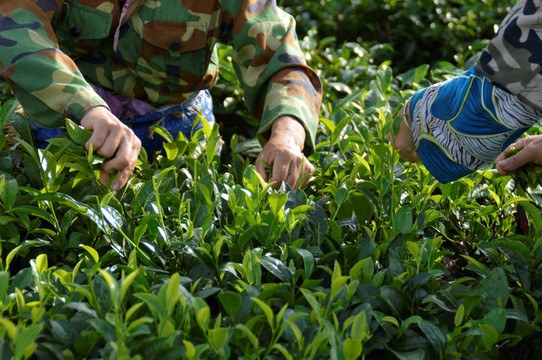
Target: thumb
<point x="515" y="162"/>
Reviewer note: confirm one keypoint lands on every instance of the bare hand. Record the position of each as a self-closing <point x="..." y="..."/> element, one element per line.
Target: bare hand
<point x="284" y="151"/>
<point x="403" y="141"/>
<point x="113" y="140"/>
<point x="531" y="153"/>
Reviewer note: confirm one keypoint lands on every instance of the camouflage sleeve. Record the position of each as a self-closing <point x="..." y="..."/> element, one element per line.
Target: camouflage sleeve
<point x="46" y="82"/>
<point x="271" y="65"/>
<point x="513" y="58"/>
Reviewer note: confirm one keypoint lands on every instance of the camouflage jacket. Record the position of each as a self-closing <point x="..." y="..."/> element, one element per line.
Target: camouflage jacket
<point x="513" y="58"/>
<point x="51" y="49"/>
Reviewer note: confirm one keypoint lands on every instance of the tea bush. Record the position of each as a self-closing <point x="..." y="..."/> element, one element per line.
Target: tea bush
<point x="197" y="257"/>
<point x="418" y="31"/>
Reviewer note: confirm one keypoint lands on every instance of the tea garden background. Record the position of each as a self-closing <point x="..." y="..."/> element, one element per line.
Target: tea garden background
<point x="198" y="258"/>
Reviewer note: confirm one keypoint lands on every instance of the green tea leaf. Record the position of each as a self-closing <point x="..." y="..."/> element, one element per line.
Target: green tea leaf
<point x="25" y="343"/>
<point x="34" y="211"/>
<point x="534" y="213"/>
<point x="218" y="337"/>
<point x="113" y="217"/>
<point x="79" y="135"/>
<point x="266" y="310"/>
<point x="276" y="202"/>
<point x="285" y="353"/>
<point x="352" y="348"/>
<point x="7" y="110"/>
<point x="127" y="282"/>
<point x="113" y="287"/>
<point x="203" y="317"/>
<point x="153" y="303"/>
<point x="10" y="328"/>
<point x="172" y="293"/>
<point x="248" y="333"/>
<point x="4" y="284"/>
<point x="253" y="271"/>
<point x="490" y="337"/>
<point x="359" y="326"/>
<point x="414" y="249"/>
<point x="458" y="318"/>
<point x="104" y="328"/>
<point x="496" y="318"/>
<point x="41" y="263"/>
<point x="277" y="268"/>
<point x="494" y="289"/>
<point x="11" y="255"/>
<point x="308" y="262"/>
<point x="409" y="355"/>
<point x="9" y="193"/>
<point x="420" y="73"/>
<point x="434" y="335"/>
<point x="337" y="285"/>
<point x="403" y="220"/>
<point x="81" y="307"/>
<point x="313" y="301"/>
<point x="231" y="301"/>
<point x="93" y="253"/>
<point x="383" y="76"/>
<point x="162" y="131"/>
<point x="172" y="150"/>
<point x="414" y="319"/>
<point x="80" y="207"/>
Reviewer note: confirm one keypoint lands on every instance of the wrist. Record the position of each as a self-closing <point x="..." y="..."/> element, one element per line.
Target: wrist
<point x="98" y="109"/>
<point x="289" y="127"/>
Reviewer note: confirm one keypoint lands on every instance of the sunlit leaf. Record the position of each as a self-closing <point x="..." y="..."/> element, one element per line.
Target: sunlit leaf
<point x="77" y="133"/>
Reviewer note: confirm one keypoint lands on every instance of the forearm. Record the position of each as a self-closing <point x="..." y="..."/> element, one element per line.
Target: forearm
<point x="296" y="93"/>
<point x="46" y="82"/>
<point x="271" y="66"/>
<point x="290" y="128"/>
<point x="50" y="99"/>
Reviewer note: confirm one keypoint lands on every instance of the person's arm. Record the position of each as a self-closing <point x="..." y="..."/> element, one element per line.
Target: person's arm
<point x="277" y="84"/>
<point x="50" y="87"/>
<point x="531" y="152"/>
<point x="403" y="141"/>
<point x="46" y="81"/>
<point x="463" y="124"/>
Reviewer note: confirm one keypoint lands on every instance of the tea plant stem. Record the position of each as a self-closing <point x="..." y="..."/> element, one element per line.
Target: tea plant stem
<point x="52" y="209"/>
<point x="155" y="187"/>
<point x="136" y="246"/>
<point x="94" y="299"/>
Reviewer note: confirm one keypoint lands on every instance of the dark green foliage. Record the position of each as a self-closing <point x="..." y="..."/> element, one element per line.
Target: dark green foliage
<point x="198" y="258"/>
<point x="418" y="31"/>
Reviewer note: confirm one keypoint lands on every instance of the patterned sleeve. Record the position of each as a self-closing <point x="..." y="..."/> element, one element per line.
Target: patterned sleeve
<point x="271" y="65"/>
<point x="463" y="124"/>
<point x="46" y="81"/>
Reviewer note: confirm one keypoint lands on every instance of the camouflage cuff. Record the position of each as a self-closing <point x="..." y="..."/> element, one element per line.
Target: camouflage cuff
<point x="81" y="102"/>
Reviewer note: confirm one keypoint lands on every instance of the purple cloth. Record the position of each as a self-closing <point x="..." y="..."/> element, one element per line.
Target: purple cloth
<point x="123" y="107"/>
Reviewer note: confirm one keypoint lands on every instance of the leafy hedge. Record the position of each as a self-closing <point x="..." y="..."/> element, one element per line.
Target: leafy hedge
<point x="417" y="31"/>
<point x="198" y="258"/>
